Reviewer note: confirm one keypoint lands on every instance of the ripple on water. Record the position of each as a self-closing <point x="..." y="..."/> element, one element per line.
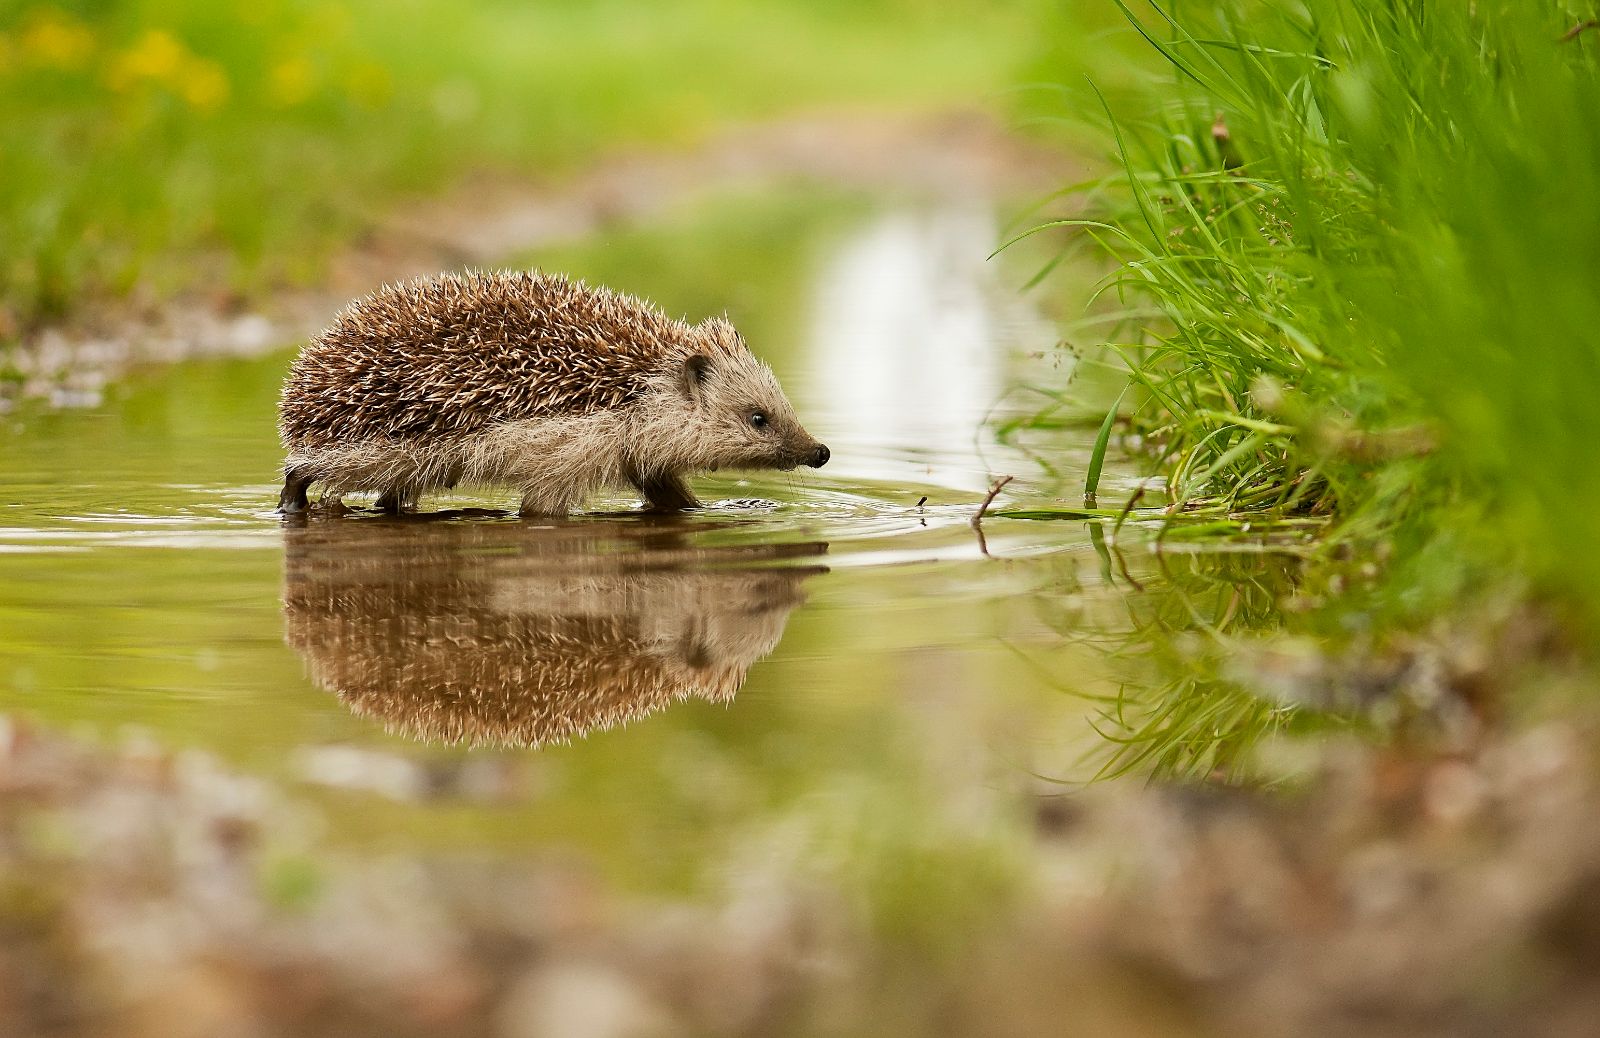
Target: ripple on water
<point x="858" y="520"/>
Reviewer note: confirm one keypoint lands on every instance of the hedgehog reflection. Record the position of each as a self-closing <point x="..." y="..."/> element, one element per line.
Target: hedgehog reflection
<point x="513" y="635"/>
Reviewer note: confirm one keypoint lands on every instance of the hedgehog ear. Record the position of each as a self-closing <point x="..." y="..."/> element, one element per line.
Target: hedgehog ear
<point x="696" y="372"/>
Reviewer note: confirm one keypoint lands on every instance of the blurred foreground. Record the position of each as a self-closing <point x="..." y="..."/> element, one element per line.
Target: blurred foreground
<point x="158" y="895"/>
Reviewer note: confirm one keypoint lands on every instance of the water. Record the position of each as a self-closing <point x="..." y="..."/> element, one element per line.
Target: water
<point x="815" y="662"/>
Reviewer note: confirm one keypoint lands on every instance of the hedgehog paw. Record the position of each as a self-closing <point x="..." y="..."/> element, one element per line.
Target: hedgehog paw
<point x="396" y="500"/>
<point x="666" y="493"/>
<point x="292" y="500"/>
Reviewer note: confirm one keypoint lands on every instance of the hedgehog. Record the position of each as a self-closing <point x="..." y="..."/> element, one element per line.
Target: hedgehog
<point x="530" y="380"/>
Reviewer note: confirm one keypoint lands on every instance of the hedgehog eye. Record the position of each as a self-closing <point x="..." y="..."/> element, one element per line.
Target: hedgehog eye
<point x="758" y="419"/>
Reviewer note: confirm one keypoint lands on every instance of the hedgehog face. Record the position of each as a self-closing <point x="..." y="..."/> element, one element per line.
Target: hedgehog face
<point x="741" y="416"/>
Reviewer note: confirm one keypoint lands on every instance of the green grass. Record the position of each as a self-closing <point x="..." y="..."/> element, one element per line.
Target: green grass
<point x="150" y="146"/>
<point x="1357" y="263"/>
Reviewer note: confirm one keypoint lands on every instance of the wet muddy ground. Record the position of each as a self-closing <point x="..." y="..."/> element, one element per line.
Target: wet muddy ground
<point x="817" y="759"/>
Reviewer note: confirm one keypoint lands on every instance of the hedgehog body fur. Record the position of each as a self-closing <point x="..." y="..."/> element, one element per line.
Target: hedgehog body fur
<point x="528" y="380"/>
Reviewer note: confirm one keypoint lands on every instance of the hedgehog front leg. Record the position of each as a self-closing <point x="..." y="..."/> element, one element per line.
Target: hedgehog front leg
<point x="293" y="498"/>
<point x="666" y="492"/>
<point x="397" y="499"/>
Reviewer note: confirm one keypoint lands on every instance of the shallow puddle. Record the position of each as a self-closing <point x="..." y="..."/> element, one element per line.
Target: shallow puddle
<point x="834" y="659"/>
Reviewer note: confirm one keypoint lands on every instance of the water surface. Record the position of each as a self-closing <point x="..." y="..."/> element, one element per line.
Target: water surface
<point x="819" y="665"/>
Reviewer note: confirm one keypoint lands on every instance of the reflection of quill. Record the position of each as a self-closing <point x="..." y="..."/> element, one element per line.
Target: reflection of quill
<point x="519" y="635"/>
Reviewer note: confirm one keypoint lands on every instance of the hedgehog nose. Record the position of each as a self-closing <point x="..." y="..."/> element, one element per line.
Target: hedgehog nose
<point x="820" y="458"/>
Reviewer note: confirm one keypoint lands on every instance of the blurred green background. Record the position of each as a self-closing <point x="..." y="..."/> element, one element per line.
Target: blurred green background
<point x="152" y="145"/>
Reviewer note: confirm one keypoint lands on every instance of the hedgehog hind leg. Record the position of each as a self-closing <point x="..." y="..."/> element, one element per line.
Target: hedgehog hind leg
<point x="296" y="481"/>
<point x="666" y="492"/>
<point x="538" y="502"/>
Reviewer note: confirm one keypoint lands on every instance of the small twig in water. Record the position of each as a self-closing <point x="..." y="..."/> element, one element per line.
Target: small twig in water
<point x="1122" y="567"/>
<point x="922" y="501"/>
<point x="1579" y="29"/>
<point x="994" y="492"/>
<point x="977" y="517"/>
<point x="1127" y="509"/>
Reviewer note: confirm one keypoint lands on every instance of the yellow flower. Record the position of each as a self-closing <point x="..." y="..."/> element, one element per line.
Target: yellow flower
<point x="203" y="84"/>
<point x="291" y="81"/>
<point x="369" y="84"/>
<point x="56" y="40"/>
<point x="156" y="55"/>
<point x="158" y="58"/>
